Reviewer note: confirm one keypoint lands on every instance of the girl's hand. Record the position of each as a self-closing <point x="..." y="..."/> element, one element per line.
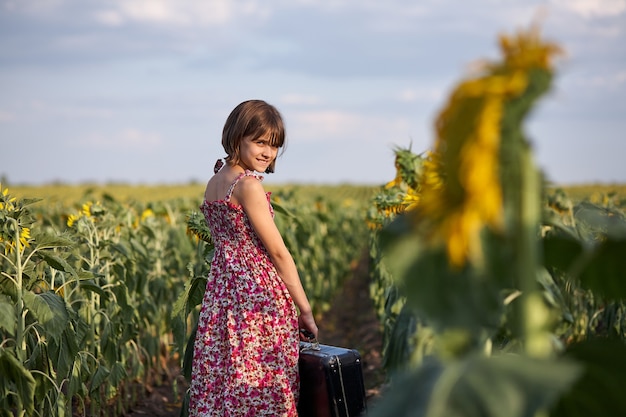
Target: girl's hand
<point x="307" y="322"/>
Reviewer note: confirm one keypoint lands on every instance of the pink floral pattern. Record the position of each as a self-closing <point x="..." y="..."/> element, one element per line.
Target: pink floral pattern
<point x="246" y="348"/>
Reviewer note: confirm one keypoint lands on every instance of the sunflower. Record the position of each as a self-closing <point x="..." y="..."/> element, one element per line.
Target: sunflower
<point x="6" y="202"/>
<point x="147" y="213"/>
<point x="71" y="219"/>
<point x="86" y="209"/>
<point x="461" y="188"/>
<point x="23" y="240"/>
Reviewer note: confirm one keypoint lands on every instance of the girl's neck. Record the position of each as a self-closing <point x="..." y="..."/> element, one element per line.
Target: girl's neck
<point x="236" y="168"/>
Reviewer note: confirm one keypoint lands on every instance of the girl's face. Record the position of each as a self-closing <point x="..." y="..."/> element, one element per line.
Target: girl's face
<point x="257" y="154"/>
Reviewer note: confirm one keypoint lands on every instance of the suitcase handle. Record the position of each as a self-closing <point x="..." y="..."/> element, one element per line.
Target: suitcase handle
<point x="312" y="344"/>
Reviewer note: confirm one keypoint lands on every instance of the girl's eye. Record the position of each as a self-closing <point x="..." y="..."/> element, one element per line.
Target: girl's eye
<point x="263" y="142"/>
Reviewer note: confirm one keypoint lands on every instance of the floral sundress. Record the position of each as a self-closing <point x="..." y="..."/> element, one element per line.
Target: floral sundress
<point x="246" y="350"/>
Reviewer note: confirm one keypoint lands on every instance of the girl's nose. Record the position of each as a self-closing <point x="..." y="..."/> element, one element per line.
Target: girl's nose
<point x="269" y="151"/>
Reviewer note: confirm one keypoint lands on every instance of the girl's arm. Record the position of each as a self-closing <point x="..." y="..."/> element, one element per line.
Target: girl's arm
<point x="251" y="195"/>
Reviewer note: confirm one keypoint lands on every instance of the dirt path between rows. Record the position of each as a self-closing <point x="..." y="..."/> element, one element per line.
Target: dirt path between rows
<point x="350" y="322"/>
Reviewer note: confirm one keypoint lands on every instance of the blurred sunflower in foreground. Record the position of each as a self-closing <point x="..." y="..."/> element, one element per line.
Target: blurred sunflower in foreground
<point x="456" y="190"/>
<point x="467" y="148"/>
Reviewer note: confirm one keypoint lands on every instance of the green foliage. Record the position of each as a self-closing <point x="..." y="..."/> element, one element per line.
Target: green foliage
<point x="584" y="292"/>
<point x="590" y="248"/>
<point x="90" y="301"/>
<point x="325" y="238"/>
<point x="477" y="386"/>
<point x="448" y="297"/>
<point x="401" y="338"/>
<point x="599" y="390"/>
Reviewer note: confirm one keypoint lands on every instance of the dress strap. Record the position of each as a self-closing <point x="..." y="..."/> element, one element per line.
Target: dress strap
<point x="246" y="173"/>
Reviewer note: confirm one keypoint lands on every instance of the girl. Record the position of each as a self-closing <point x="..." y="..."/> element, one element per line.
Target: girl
<point x="247" y="345"/>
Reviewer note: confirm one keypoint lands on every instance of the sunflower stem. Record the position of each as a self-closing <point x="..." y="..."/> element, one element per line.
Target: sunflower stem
<point x="534" y="317"/>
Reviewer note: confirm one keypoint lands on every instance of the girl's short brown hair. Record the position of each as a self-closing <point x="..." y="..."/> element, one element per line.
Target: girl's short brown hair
<point x="255" y="119"/>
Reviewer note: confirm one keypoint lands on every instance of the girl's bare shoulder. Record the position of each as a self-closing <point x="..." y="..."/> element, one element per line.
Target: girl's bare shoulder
<point x="217" y="187"/>
<point x="249" y="186"/>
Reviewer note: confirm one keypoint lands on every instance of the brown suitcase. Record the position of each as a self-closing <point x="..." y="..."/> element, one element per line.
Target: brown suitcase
<point x="331" y="382"/>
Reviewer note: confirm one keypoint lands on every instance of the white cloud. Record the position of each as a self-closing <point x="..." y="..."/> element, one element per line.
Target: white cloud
<point x="6" y="116"/>
<point x="411" y="95"/>
<point x="8" y="5"/>
<point x="180" y="13"/>
<point x="109" y="17"/>
<point x="332" y="125"/>
<point x="127" y="139"/>
<point x="41" y="109"/>
<point x="323" y="124"/>
<point x="33" y="6"/>
<point x="300" y="99"/>
<point x="138" y="138"/>
<point x="609" y="81"/>
<point x="177" y="13"/>
<point x="593" y="8"/>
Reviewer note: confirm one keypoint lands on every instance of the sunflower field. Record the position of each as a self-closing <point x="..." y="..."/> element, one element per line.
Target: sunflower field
<point x="97" y="295"/>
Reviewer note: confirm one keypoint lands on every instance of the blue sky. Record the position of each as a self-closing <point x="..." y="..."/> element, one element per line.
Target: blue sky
<point x="137" y="91"/>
